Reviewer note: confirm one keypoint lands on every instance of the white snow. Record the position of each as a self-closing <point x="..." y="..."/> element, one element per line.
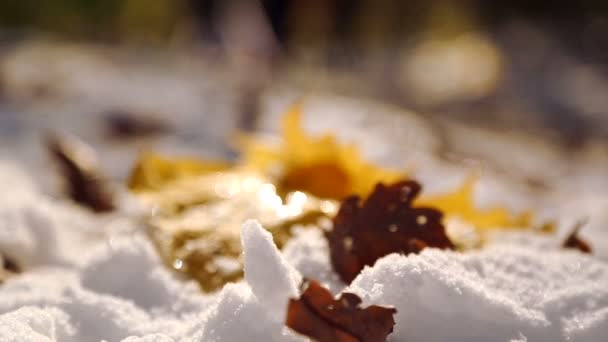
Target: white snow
<point x="255" y="310"/>
<point x="496" y="294"/>
<point x="37" y="230"/>
<point x="307" y="252"/>
<point x="86" y="282"/>
<point x="264" y="264"/>
<point x="32" y="324"/>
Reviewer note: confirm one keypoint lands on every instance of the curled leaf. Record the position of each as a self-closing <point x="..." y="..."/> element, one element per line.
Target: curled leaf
<point x="83" y="180"/>
<point x="318" y="315"/>
<point x="574" y="242"/>
<point x="384" y="223"/>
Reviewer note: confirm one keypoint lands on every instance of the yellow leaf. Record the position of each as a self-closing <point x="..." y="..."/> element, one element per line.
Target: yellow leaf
<point x="318" y="165"/>
<point x="460" y="204"/>
<point x="153" y="171"/>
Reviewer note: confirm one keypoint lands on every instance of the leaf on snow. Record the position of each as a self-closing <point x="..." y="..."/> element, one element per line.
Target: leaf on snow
<point x="574" y="242"/>
<point x="8" y="267"/>
<point x="80" y="170"/>
<point x="153" y="171"/>
<point x="124" y="124"/>
<point x="9" y="264"/>
<point x="319" y="165"/>
<point x="461" y="204"/>
<point x="318" y="315"/>
<point x="384" y="223"/>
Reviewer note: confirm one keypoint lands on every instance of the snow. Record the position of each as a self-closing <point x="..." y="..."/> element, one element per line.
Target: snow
<point x="240" y="316"/>
<point x="496" y="293"/>
<point x="307" y="252"/>
<point x="87" y="279"/>
<point x="107" y="309"/>
<point x="149" y="338"/>
<point x="264" y="264"/>
<point x="31" y="324"/>
<point x="255" y="310"/>
<point x="37" y="230"/>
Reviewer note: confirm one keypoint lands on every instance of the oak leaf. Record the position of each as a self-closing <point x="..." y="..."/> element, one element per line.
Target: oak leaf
<point x="385" y="223"/>
<point x="318" y="315"/>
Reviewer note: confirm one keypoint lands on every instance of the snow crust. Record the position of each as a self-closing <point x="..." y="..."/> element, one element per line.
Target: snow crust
<point x="86" y="281"/>
<point x="496" y="294"/>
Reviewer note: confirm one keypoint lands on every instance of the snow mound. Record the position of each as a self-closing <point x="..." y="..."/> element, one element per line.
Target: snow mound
<point x="145" y="281"/>
<point x="37" y="230"/>
<point x="503" y="293"/>
<point x="255" y="310"/>
<point x="498" y="294"/>
<point x="307" y="251"/>
<point x="33" y="324"/>
<point x="149" y="338"/>
<point x="122" y="290"/>
<point x="264" y="264"/>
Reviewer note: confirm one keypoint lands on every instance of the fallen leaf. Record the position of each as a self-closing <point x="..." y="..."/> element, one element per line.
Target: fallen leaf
<point x="384" y="223"/>
<point x="124" y="124"/>
<point x="574" y="242"/>
<point x="154" y="171"/>
<point x="8" y="267"/>
<point x="83" y="180"/>
<point x="318" y="315"/>
<point x="9" y="264"/>
<point x="320" y="166"/>
<point x="460" y="204"/>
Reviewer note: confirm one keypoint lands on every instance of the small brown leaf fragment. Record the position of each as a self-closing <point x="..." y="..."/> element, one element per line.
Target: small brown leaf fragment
<point x="83" y="180"/>
<point x="384" y="223"/>
<point x="574" y="242"/>
<point x="124" y="124"/>
<point x="8" y="267"/>
<point x="318" y="315"/>
<point x="9" y="264"/>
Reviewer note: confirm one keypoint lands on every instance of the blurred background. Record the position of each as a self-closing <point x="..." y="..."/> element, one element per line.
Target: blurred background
<point x="193" y="72"/>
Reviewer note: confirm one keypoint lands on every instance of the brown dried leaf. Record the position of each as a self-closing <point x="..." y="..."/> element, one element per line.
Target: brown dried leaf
<point x="123" y="124"/>
<point x="8" y="267"/>
<point x="384" y="223"/>
<point x="9" y="264"/>
<point x="318" y="315"/>
<point x="83" y="181"/>
<point x="574" y="242"/>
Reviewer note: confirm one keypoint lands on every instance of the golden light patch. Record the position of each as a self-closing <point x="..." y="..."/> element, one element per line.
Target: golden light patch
<point x="318" y="165"/>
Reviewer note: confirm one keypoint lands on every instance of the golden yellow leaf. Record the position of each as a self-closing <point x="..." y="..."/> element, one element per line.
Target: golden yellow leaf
<point x="460" y="204"/>
<point x="318" y="165"/>
<point x="153" y="171"/>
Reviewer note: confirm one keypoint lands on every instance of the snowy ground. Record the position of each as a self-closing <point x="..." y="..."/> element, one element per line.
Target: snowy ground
<point x="94" y="278"/>
<point x="112" y="286"/>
